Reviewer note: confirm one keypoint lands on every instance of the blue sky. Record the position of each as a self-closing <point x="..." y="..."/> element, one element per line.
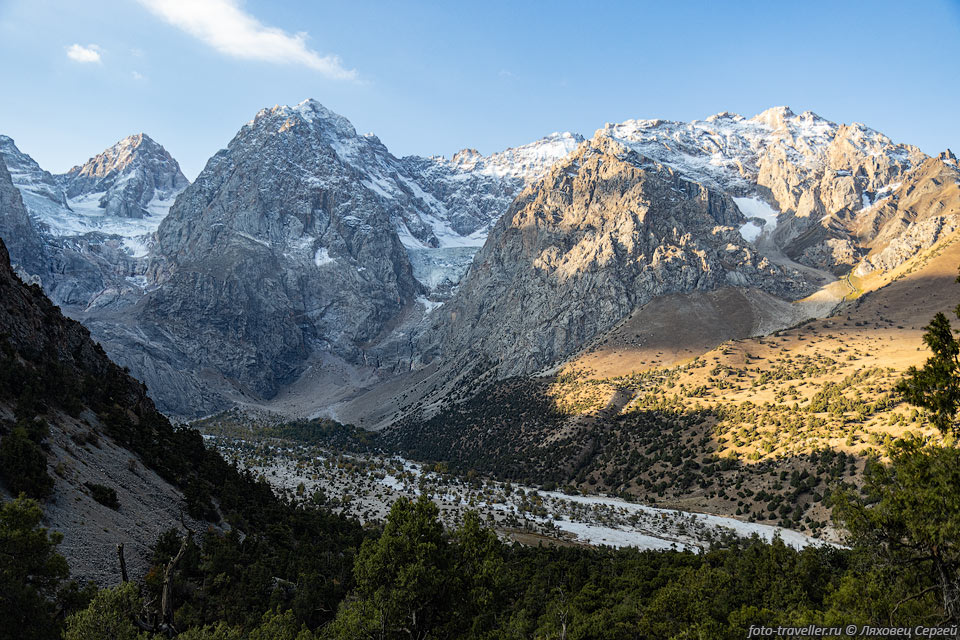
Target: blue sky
<point x="434" y="77"/>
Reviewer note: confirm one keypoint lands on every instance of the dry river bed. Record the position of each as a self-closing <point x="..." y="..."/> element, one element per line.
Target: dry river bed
<point x="364" y="487"/>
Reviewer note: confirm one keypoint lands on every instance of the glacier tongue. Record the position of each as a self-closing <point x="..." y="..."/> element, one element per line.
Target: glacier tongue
<point x="441" y="270"/>
<point x="762" y="218"/>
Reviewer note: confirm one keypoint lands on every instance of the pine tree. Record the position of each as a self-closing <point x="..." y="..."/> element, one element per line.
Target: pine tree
<point x="936" y="386"/>
<point x="31" y="572"/>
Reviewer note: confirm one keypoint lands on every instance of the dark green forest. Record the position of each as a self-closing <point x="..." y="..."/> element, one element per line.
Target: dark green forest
<point x="299" y="573"/>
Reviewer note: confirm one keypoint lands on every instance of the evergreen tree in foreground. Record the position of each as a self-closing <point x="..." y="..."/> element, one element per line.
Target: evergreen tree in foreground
<point x="936" y="386"/>
<point x="905" y="523"/>
<point x="31" y="572"/>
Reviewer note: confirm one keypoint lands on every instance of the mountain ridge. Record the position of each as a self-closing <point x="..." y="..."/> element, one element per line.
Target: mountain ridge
<point x="796" y="197"/>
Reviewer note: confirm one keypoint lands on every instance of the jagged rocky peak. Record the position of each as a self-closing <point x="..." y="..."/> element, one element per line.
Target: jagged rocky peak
<point x="818" y="174"/>
<point x="778" y="117"/>
<point x="303" y="161"/>
<point x="27" y="174"/>
<point x="312" y="118"/>
<point x="283" y="247"/>
<point x="731" y="150"/>
<point x="466" y="158"/>
<point x="134" y="178"/>
<point x="309" y="110"/>
<point x="599" y="235"/>
<point x="434" y="202"/>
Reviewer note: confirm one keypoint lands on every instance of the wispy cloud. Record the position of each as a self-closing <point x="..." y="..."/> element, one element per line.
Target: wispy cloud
<point x="137" y="75"/>
<point x="223" y="25"/>
<point x="79" y="53"/>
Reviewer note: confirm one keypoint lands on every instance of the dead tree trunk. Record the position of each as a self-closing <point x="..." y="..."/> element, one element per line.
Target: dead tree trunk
<point x="166" y="601"/>
<point x="123" y="564"/>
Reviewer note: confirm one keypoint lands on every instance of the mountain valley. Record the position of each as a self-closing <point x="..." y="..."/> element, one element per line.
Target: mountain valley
<point x="663" y="340"/>
<point x="687" y="314"/>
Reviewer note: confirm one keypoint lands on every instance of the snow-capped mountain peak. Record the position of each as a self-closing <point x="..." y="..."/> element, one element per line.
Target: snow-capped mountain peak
<point x="329" y="125"/>
<point x="126" y="177"/>
<point x="120" y="194"/>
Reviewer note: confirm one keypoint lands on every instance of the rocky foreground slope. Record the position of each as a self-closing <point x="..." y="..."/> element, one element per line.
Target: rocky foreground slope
<point x="98" y="432"/>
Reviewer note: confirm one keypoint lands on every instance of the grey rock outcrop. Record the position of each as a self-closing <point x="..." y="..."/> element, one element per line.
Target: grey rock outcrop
<point x="279" y="249"/>
<point x="912" y="216"/>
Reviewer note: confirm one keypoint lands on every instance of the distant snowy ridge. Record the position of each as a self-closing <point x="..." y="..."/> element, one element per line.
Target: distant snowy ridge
<point x="822" y="179"/>
<point x="727" y="150"/>
<point x="27" y="175"/>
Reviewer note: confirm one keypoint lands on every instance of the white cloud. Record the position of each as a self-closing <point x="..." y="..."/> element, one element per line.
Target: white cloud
<point x="223" y="25"/>
<point x="79" y="53"/>
<point x="137" y="75"/>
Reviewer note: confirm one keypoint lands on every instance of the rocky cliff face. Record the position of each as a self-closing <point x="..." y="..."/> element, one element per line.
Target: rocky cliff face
<point x="27" y="249"/>
<point x="910" y="216"/>
<point x="302" y="240"/>
<point x="280" y="248"/>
